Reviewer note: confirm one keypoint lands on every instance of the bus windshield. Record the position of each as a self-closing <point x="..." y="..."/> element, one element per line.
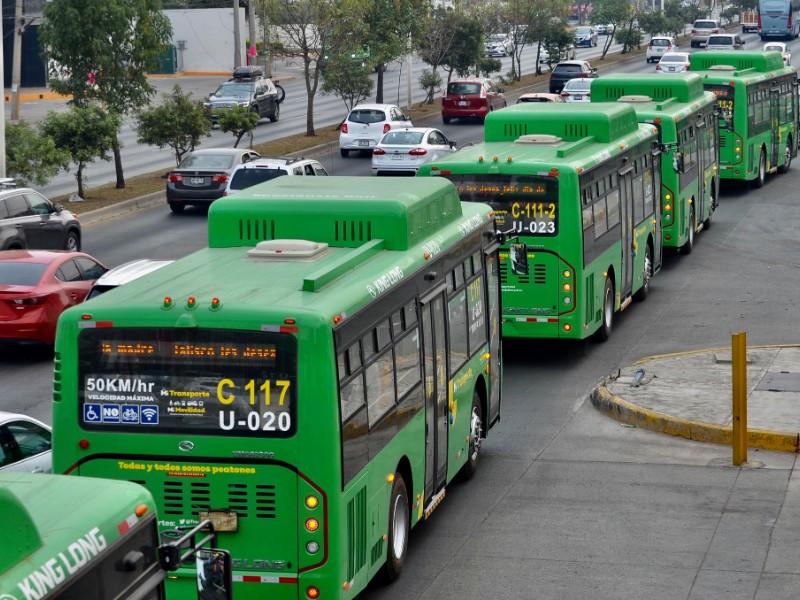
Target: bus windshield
<point x="776" y="7"/>
<point x="205" y="381"/>
<point x="522" y="203"/>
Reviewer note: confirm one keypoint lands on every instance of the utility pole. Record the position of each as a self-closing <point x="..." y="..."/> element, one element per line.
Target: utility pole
<point x="2" y="117"/>
<point x="237" y="53"/>
<point x="16" y="67"/>
<point x="251" y="26"/>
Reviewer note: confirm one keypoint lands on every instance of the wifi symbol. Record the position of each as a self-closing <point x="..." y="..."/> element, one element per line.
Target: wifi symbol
<point x="150" y="415"/>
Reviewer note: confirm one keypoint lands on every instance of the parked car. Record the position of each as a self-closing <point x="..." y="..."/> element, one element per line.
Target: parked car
<point x="124" y="273"/>
<point x="779" y="47"/>
<point x="673" y="62"/>
<point x="263" y="169"/>
<point x="36" y="286"/>
<point x="202" y="176"/>
<point x="402" y="151"/>
<point x="604" y="29"/>
<point x="658" y="46"/>
<point x="499" y="44"/>
<point x="569" y="69"/>
<point x="29" y="220"/>
<point x="724" y="41"/>
<point x="585" y="35"/>
<point x="701" y="29"/>
<point x="25" y="444"/>
<point x="471" y="98"/>
<point x="577" y="90"/>
<point x="365" y="125"/>
<point x="545" y="59"/>
<point x="539" y="97"/>
<point x="248" y="88"/>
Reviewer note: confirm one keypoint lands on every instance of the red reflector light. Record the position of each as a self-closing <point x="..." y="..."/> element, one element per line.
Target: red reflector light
<point x="83" y="444"/>
<point x="344" y="127"/>
<point x="379" y="152"/>
<point x="175" y="178"/>
<point x="386" y="127"/>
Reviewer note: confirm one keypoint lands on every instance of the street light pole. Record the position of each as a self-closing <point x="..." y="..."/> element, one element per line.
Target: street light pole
<point x="16" y="67"/>
<point x="237" y="54"/>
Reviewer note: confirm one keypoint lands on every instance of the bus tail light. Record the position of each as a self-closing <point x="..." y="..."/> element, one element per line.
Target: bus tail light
<point x="312" y="524"/>
<point x="312" y="592"/>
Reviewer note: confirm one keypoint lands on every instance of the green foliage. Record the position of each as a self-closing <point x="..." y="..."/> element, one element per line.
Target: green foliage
<point x="487" y="65"/>
<point x="431" y="82"/>
<point x="676" y="18"/>
<point x="435" y="38"/>
<point x="177" y="122"/>
<point x="728" y="15"/>
<point x="347" y="76"/>
<point x="85" y="133"/>
<point x="534" y="22"/>
<point x="619" y="13"/>
<point x="558" y="43"/>
<point x="467" y="47"/>
<point x="31" y="156"/>
<point x="238" y="120"/>
<point x="630" y="38"/>
<point x="653" y="22"/>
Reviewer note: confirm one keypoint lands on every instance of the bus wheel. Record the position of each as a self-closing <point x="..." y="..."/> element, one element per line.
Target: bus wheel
<point x="475" y="435"/>
<point x="399" y="527"/>
<point x="689" y="245"/>
<point x="608" y="312"/>
<point x="762" y="170"/>
<point x="647" y="274"/>
<point x="787" y="159"/>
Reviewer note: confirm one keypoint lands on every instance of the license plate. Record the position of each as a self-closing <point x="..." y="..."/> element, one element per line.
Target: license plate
<point x="672" y="68"/>
<point x="363" y="142"/>
<point x="197" y="180"/>
<point x="462" y="103"/>
<point x="578" y="97"/>
<point x="397" y="157"/>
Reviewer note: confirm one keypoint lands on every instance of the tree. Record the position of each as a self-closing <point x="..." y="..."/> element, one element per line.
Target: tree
<point x="435" y="38"/>
<point x="85" y="133"/>
<point x="430" y="81"/>
<point x="105" y="48"/>
<point x="619" y="13"/>
<point x="239" y="120"/>
<point x="466" y="49"/>
<point x="653" y="22"/>
<point x="178" y="122"/>
<point x="348" y="78"/>
<point x="31" y="156"/>
<point x="535" y="22"/>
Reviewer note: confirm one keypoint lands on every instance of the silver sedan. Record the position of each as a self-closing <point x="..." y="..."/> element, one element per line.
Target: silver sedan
<point x="402" y="151"/>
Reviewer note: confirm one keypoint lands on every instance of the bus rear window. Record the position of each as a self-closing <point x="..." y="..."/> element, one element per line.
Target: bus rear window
<point x="205" y="381"/>
<point x="524" y="204"/>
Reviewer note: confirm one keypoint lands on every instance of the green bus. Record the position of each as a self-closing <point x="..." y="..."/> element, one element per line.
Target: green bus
<point x="71" y="538"/>
<point x="757" y="102"/>
<point x="575" y="186"/>
<point x="685" y="117"/>
<point x="311" y="382"/>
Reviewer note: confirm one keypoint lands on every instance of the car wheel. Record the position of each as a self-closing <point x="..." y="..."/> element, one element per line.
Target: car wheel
<point x="257" y="113"/>
<point x="176" y="208"/>
<point x="276" y="114"/>
<point x="344" y="153"/>
<point x="281" y="92"/>
<point x="446" y="120"/>
<point x="73" y="242"/>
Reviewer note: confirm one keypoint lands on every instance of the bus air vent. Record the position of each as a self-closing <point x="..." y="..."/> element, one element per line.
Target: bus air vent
<point x="635" y="98"/>
<point x="356" y="533"/>
<point x="513" y="131"/>
<point x="265" y="501"/>
<point x="352" y="231"/>
<point x="251" y="230"/>
<point x="540" y="274"/>
<point x="576" y="131"/>
<point x="287" y="249"/>
<point x="721" y="68"/>
<point x="723" y="141"/>
<point x="541" y="138"/>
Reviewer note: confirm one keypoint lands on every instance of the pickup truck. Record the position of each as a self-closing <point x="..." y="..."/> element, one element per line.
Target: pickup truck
<point x="749" y="20"/>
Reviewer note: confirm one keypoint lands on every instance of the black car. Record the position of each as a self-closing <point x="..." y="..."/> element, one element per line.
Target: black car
<point x="203" y="176"/>
<point x="28" y="220"/>
<point x="569" y="69"/>
<point x="250" y="89"/>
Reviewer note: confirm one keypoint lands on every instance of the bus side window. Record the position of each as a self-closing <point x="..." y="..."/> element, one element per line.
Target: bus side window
<point x="407" y="362"/>
<point x="457" y="318"/>
<point x="380" y="387"/>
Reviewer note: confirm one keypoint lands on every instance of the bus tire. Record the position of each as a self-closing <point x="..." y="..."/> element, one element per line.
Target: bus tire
<point x="608" y="312"/>
<point x="399" y="528"/>
<point x="647" y="274"/>
<point x="787" y="159"/>
<point x="761" y="176"/>
<point x="689" y="245"/>
<point x="475" y="435"/>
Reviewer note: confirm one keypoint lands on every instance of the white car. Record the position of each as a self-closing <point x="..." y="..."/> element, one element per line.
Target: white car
<point x="779" y="47"/>
<point x="577" y="90"/>
<point x="266" y="168"/>
<point x="124" y="273"/>
<point x="673" y="62"/>
<point x="25" y="444"/>
<point x="365" y="125"/>
<point x="659" y="46"/>
<point x="499" y="44"/>
<point x="402" y="151"/>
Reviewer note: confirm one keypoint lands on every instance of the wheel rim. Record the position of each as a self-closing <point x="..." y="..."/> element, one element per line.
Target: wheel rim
<point x="475" y="432"/>
<point x="762" y="168"/>
<point x="648" y="265"/>
<point x="399" y="529"/>
<point x="72" y="243"/>
<point x="788" y="158"/>
<point x="608" y="309"/>
<point x="691" y="229"/>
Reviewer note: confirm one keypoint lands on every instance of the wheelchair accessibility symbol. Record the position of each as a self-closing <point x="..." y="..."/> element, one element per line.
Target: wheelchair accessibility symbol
<point x="92" y="413"/>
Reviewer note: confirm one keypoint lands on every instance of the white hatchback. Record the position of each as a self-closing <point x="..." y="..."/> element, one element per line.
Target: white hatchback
<point x="402" y="151"/>
<point x="659" y="46"/>
<point x="365" y="125"/>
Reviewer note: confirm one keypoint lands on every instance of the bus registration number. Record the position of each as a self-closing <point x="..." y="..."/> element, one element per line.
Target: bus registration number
<point x="254" y="421"/>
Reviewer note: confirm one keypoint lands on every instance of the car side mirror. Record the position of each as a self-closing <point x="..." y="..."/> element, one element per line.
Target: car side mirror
<point x="452" y="144"/>
<point x="58" y="207"/>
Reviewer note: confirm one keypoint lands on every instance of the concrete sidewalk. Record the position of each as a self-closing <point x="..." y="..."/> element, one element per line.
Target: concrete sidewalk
<point x="689" y="394"/>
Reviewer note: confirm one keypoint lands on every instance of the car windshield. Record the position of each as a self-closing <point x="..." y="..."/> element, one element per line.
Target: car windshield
<point x="773" y="47"/>
<point x="464" y="88"/>
<point x="403" y="138"/>
<point x="676" y="58"/>
<point x="207" y="161"/>
<point x="245" y="178"/>
<point x="705" y="25"/>
<point x="578" y="85"/>
<point x="21" y="273"/>
<point x="567" y="69"/>
<point x="583" y="31"/>
<point x="496" y="37"/>
<point x="233" y="90"/>
<point x="366" y="115"/>
<point x="537" y="99"/>
<point x="720" y="40"/>
<point x="659" y="42"/>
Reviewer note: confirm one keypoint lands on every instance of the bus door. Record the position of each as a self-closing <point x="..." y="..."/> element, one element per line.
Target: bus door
<point x="434" y="348"/>
<point x="775" y="125"/>
<point x="625" y="283"/>
<point x="492" y="271"/>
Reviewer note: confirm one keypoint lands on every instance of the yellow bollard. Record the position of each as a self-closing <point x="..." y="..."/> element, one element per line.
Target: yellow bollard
<point x="739" y="362"/>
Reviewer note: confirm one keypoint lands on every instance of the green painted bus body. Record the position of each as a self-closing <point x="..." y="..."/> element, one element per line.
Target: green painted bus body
<point x="683" y="112"/>
<point x="381" y="235"/>
<point x="559" y="147"/>
<point x="64" y="535"/>
<point x="758" y="105"/>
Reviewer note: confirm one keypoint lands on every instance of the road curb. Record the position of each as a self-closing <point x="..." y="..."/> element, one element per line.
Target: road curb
<point x="126" y="206"/>
<point x="699" y="431"/>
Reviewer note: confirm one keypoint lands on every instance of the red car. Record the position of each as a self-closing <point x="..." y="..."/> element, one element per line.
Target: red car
<point x="471" y="99"/>
<point x="36" y="286"/>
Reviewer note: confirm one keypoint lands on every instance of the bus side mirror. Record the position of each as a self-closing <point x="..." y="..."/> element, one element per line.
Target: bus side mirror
<point x="214" y="574"/>
<point x="519" y="259"/>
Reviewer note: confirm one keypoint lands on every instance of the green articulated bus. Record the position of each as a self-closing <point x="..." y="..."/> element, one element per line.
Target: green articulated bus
<point x="71" y="538"/>
<point x="757" y="102"/>
<point x="685" y="116"/>
<point x="311" y="382"/>
<point x="575" y="187"/>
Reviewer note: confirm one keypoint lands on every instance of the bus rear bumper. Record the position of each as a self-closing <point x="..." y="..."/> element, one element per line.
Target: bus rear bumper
<point x="518" y="326"/>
